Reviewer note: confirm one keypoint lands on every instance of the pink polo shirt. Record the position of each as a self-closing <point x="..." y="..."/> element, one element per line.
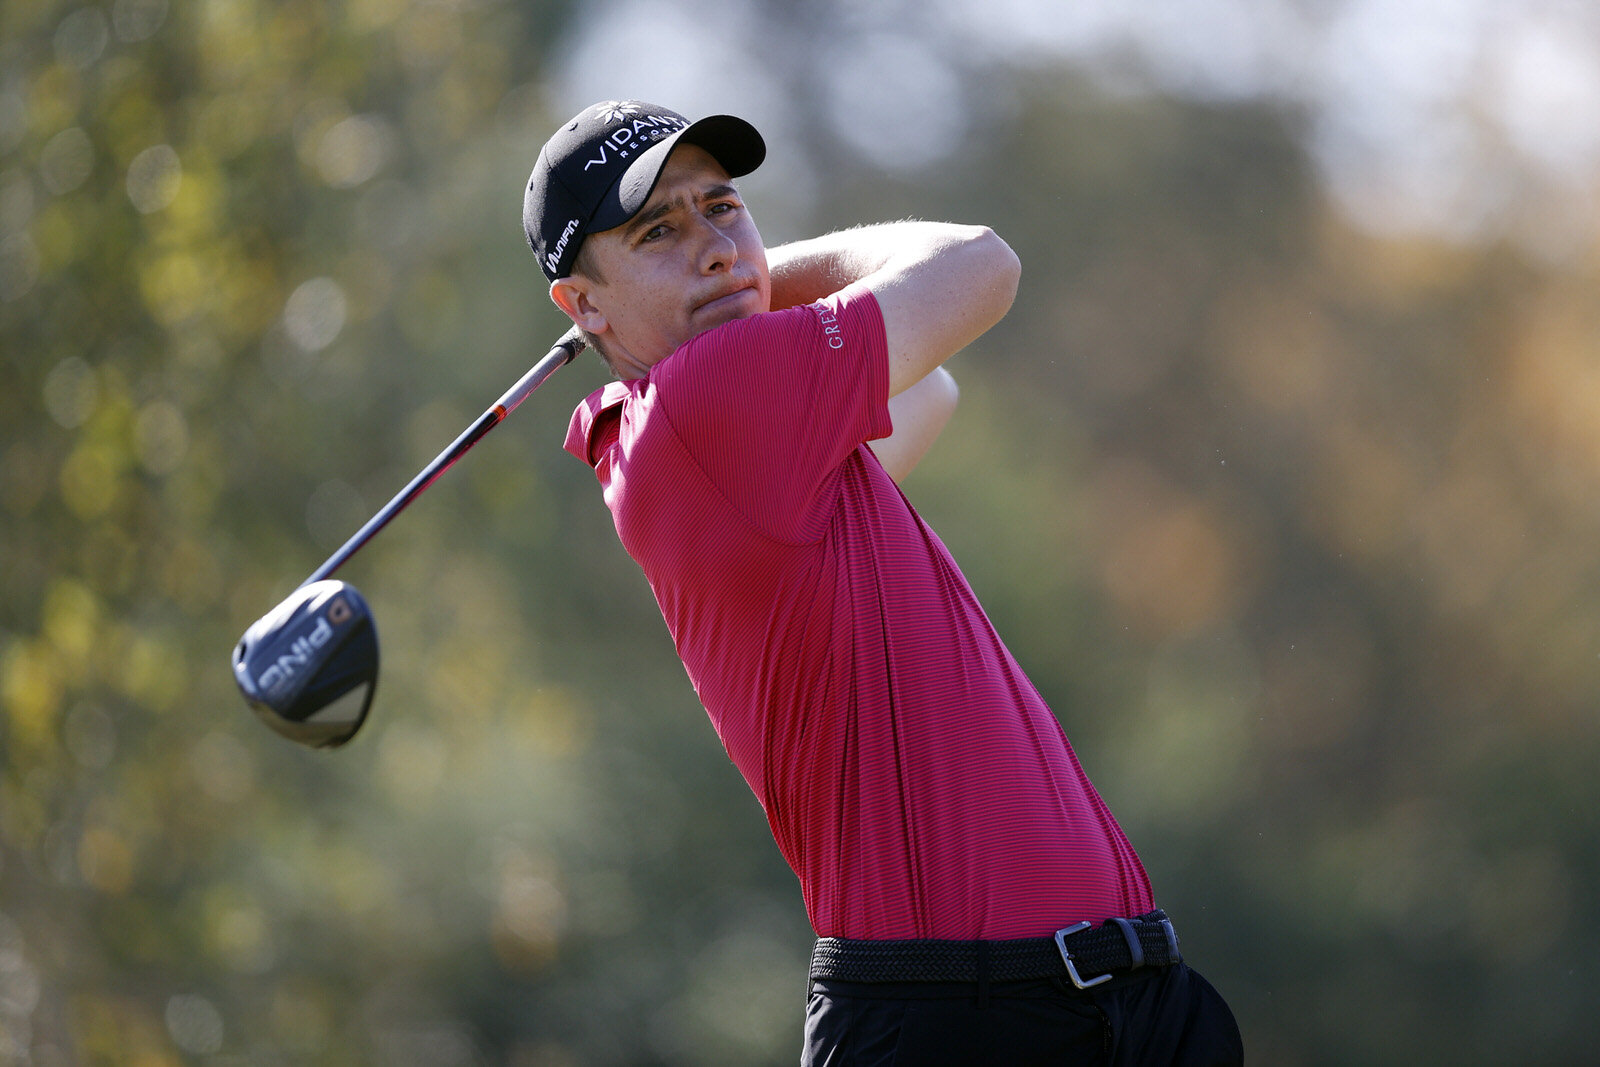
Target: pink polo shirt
<point x="912" y="776"/>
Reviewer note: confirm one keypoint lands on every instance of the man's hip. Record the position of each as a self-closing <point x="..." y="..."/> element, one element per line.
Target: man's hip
<point x="1115" y="994"/>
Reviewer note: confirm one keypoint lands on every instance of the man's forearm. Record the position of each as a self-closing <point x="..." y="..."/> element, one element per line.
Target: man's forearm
<point x="806" y="271"/>
<point x="938" y="285"/>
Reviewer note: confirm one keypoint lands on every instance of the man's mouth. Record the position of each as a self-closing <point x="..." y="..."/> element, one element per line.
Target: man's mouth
<point x="726" y="296"/>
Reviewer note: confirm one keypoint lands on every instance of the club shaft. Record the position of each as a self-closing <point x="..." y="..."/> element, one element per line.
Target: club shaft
<point x="560" y="354"/>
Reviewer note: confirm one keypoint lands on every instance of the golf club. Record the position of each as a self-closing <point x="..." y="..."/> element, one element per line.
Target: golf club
<point x="309" y="667"/>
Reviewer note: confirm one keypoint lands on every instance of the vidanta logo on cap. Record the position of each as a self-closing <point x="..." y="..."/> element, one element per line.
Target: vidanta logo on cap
<point x="636" y="130"/>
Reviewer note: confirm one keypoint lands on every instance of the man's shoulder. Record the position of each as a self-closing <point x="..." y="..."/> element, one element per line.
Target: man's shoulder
<point x="591" y="413"/>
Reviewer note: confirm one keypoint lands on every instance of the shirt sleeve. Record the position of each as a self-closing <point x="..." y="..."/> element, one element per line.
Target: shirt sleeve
<point x="772" y="406"/>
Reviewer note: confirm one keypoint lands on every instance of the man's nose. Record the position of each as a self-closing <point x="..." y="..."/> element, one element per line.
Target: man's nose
<point x="717" y="251"/>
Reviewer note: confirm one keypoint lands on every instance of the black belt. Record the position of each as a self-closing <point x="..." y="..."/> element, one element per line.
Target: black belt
<point x="1085" y="954"/>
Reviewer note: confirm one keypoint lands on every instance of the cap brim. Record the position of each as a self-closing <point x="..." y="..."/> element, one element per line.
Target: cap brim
<point x="732" y="142"/>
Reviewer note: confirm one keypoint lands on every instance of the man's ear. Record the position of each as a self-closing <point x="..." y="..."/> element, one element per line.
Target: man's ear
<point x="571" y="294"/>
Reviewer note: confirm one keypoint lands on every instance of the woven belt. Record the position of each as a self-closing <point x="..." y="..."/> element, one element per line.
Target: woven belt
<point x="1083" y="953"/>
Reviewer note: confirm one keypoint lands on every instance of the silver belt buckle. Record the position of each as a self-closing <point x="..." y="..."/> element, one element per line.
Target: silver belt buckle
<point x="1066" y="956"/>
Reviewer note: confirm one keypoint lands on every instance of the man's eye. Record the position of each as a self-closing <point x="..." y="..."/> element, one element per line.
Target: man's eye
<point x="720" y="209"/>
<point x="653" y="233"/>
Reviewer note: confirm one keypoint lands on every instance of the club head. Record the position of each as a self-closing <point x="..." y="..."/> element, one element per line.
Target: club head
<point x="309" y="666"/>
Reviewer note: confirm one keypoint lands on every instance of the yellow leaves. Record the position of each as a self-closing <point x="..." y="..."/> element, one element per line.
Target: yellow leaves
<point x="56" y="236"/>
<point x="107" y="1028"/>
<point x="236" y="930"/>
<point x="32" y="681"/>
<point x="71" y="623"/>
<point x="80" y="644"/>
<point x="94" y="478"/>
<point x="54" y="98"/>
<point x="194" y="268"/>
<point x="153" y="669"/>
<point x="196" y="211"/>
<point x="91" y="479"/>
<point x="229" y="46"/>
<point x="295" y="30"/>
<point x="244" y="43"/>
<point x="132" y="123"/>
<point x="185" y="282"/>
<point x="175" y="286"/>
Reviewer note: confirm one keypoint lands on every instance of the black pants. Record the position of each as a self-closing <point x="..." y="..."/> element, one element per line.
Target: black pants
<point x="1147" y="1018"/>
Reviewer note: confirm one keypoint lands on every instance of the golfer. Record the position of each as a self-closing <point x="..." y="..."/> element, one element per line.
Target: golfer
<point x="974" y="899"/>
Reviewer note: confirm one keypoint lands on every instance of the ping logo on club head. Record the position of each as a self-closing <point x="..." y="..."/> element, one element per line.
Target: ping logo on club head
<point x="289" y="663"/>
<point x="339" y="611"/>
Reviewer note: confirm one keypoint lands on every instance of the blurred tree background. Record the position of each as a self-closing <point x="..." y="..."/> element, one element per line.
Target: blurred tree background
<point x="1280" y="479"/>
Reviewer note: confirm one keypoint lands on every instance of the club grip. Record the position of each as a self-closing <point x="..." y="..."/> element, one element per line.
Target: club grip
<point x="561" y="353"/>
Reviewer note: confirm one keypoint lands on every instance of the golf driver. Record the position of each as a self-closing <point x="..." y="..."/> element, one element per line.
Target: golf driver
<point x="309" y="667"/>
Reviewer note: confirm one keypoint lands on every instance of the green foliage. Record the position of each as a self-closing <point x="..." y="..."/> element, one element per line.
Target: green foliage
<point x="1292" y="524"/>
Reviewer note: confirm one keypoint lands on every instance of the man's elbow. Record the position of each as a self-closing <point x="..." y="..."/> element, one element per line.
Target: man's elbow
<point x="998" y="267"/>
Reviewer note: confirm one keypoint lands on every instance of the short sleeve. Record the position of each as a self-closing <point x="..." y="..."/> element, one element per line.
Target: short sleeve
<point x="772" y="406"/>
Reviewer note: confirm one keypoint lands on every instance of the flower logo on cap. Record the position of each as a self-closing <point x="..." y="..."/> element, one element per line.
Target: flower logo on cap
<point x="616" y="110"/>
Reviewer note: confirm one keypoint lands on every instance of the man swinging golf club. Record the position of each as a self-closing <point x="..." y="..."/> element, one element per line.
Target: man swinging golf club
<point x="974" y="899"/>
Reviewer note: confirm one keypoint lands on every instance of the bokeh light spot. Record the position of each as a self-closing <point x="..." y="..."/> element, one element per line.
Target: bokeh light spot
<point x="137" y="20"/>
<point x="315" y="313"/>
<point x="70" y="392"/>
<point x="81" y="37"/>
<point x="66" y="160"/>
<point x="195" y="1024"/>
<point x="354" y="150"/>
<point x="161" y="436"/>
<point x="153" y="178"/>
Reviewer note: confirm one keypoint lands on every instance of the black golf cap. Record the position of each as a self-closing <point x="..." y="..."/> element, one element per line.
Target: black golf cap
<point x="600" y="168"/>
